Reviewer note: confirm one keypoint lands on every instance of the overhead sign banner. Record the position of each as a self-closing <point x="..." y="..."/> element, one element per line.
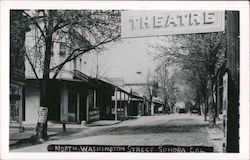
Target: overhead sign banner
<point x="158" y="23"/>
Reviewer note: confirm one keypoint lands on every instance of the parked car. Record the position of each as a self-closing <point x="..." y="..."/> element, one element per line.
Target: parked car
<point x="194" y="111"/>
<point x="182" y="110"/>
<point x="181" y="107"/>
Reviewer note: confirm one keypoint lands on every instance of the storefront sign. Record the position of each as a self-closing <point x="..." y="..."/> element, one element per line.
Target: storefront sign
<point x="94" y="115"/>
<point x="42" y="114"/>
<point x="156" y="23"/>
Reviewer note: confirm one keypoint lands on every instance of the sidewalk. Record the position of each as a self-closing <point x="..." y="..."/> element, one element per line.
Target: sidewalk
<point x="216" y="136"/>
<point x="55" y="132"/>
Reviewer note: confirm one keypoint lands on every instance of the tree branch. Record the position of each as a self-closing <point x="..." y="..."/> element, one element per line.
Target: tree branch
<point x="32" y="66"/>
<point x="36" y="23"/>
<point x="82" y="51"/>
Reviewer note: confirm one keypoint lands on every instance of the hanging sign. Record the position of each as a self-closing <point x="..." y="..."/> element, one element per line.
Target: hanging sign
<point x="156" y="23"/>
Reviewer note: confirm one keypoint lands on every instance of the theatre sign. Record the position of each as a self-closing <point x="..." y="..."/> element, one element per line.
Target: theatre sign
<point x="156" y="23"/>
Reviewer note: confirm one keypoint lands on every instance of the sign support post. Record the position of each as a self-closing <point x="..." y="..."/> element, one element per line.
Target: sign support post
<point x="232" y="26"/>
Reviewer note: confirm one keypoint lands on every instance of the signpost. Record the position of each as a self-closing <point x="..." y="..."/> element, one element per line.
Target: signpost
<point x="156" y="23"/>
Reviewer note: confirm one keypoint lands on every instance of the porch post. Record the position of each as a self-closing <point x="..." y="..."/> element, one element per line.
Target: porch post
<point x="120" y="105"/>
<point x="115" y="103"/>
<point x="78" y="108"/>
<point x="95" y="102"/>
<point x="87" y="107"/>
<point x="124" y="106"/>
<point x="128" y="111"/>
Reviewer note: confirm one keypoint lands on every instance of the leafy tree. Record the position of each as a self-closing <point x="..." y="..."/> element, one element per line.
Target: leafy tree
<point x="80" y="30"/>
<point x="198" y="57"/>
<point x="17" y="40"/>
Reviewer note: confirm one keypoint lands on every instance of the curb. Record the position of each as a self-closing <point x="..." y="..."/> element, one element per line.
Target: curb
<point x="98" y="125"/>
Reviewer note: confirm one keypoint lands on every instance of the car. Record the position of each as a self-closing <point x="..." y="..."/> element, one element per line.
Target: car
<point x="181" y="107"/>
<point x="182" y="110"/>
<point x="194" y="111"/>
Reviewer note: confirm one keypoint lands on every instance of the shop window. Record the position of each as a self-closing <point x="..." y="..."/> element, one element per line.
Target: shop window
<point x="15" y="103"/>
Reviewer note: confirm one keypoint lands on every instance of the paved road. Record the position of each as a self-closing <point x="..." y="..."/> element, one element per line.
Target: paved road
<point x="174" y="129"/>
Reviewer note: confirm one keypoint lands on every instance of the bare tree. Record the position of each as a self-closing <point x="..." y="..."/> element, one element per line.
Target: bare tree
<point x="168" y="89"/>
<point x="80" y="30"/>
<point x="197" y="54"/>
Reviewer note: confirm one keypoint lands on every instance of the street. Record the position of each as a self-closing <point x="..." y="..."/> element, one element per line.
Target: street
<point x="96" y="79"/>
<point x="172" y="129"/>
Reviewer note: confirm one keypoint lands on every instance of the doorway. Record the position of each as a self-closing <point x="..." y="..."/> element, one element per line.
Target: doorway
<point x="72" y="107"/>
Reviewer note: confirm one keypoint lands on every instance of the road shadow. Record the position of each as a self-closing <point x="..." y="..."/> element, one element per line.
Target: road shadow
<point x="31" y="141"/>
<point x="154" y="129"/>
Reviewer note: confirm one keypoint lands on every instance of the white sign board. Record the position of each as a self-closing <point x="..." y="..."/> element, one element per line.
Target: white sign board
<point x="42" y="114"/>
<point x="156" y="23"/>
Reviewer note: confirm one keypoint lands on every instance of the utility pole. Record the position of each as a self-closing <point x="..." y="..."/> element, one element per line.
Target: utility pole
<point x="115" y="103"/>
<point x="232" y="29"/>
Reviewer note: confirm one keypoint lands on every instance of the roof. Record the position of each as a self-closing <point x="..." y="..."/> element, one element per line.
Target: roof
<point x="118" y="81"/>
<point x="105" y="84"/>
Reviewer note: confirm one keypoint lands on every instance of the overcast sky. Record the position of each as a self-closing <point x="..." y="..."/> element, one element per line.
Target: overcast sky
<point x="126" y="58"/>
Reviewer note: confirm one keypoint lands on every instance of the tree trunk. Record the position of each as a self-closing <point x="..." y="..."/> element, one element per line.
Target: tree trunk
<point x="211" y="105"/>
<point x="166" y="106"/>
<point x="41" y="128"/>
<point x="205" y="105"/>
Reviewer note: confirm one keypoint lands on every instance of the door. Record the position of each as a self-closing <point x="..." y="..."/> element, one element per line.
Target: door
<point x="83" y="103"/>
<point x="72" y="107"/>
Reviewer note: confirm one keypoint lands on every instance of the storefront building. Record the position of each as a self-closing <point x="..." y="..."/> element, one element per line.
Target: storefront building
<point x="77" y="100"/>
<point x="17" y="69"/>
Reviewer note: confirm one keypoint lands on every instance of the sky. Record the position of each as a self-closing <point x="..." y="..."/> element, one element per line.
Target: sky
<point x="126" y="58"/>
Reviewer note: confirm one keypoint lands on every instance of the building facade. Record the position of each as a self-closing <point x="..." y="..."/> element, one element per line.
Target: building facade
<point x="17" y="68"/>
<point x="76" y="100"/>
<point x="75" y="94"/>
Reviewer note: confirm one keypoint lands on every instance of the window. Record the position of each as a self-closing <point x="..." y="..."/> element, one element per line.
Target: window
<point x="52" y="48"/>
<point x="15" y="103"/>
<point x="80" y="65"/>
<point x="39" y="48"/>
<point x="63" y="48"/>
<point x="75" y="64"/>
